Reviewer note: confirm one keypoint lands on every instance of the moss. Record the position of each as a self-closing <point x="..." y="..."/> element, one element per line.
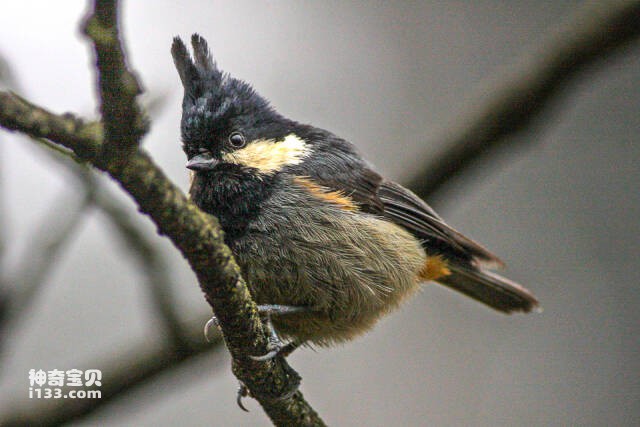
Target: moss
<point x="199" y="238"/>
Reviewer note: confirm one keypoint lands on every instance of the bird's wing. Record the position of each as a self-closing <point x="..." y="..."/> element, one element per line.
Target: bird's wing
<point x="406" y="209"/>
<point x="378" y="196"/>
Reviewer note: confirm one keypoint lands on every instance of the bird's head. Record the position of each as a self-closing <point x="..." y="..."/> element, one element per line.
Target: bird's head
<point x="224" y="120"/>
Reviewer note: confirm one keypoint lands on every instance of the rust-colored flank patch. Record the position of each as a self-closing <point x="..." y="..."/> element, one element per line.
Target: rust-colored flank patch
<point x="335" y="197"/>
<point x="435" y="268"/>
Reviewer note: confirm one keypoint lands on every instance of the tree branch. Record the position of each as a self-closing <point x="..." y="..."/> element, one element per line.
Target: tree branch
<point x="196" y="234"/>
<point x="118" y="86"/>
<point x="599" y="30"/>
<point x="199" y="238"/>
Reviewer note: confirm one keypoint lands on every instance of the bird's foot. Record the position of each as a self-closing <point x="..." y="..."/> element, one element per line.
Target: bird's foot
<point x="276" y="347"/>
<point x="267" y="310"/>
<point x="279" y="309"/>
<point x="291" y="389"/>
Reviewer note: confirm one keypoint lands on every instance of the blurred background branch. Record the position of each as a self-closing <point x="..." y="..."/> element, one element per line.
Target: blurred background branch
<point x="7" y="80"/>
<point x="520" y="96"/>
<point x="134" y="240"/>
<point x="126" y="371"/>
<point x="46" y="245"/>
<point x="141" y="363"/>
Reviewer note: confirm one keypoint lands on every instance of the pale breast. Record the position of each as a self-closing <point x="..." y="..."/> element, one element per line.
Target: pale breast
<point x="347" y="266"/>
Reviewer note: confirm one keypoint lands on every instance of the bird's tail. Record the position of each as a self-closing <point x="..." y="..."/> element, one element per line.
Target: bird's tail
<point x="489" y="288"/>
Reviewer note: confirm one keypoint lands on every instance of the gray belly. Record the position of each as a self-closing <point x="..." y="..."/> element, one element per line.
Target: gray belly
<point x="348" y="268"/>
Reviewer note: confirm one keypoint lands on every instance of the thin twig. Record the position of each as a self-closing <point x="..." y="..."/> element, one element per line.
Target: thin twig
<point x="118" y="86"/>
<point x="526" y="91"/>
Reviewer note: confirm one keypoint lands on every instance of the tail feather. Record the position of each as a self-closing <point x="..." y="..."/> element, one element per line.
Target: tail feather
<point x="489" y="288"/>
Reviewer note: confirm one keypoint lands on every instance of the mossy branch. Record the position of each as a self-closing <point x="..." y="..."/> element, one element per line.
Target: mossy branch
<point x="118" y="86"/>
<point x="198" y="237"/>
<point x="112" y="146"/>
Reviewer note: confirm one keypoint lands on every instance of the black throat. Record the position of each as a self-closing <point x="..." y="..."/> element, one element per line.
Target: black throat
<point x="233" y="194"/>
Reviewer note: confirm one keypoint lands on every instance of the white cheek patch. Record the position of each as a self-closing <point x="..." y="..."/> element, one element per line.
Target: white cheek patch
<point x="270" y="156"/>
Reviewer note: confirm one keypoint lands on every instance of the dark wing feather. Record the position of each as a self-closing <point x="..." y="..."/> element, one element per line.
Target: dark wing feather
<point x="337" y="166"/>
<point x="405" y="208"/>
<point x="340" y="168"/>
<point x="361" y="184"/>
<point x="394" y="202"/>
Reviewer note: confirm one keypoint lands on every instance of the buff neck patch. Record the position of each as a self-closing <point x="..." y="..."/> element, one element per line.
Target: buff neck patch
<point x="270" y="156"/>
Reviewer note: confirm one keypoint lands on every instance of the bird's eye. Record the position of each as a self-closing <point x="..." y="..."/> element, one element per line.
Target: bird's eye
<point x="236" y="140"/>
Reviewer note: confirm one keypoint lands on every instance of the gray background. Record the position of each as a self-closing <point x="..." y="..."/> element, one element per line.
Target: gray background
<point x="391" y="78"/>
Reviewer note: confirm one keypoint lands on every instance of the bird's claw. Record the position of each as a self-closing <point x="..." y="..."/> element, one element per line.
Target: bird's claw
<point x="208" y="326"/>
<point x="243" y="391"/>
<point x="267" y="310"/>
<point x="274" y="347"/>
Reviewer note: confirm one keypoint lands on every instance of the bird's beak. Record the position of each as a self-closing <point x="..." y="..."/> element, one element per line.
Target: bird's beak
<point x="202" y="162"/>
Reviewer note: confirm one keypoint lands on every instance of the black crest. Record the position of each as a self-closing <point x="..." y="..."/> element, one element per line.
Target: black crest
<point x="211" y="97"/>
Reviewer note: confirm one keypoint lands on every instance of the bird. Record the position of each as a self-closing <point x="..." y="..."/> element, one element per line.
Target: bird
<point x="327" y="245"/>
